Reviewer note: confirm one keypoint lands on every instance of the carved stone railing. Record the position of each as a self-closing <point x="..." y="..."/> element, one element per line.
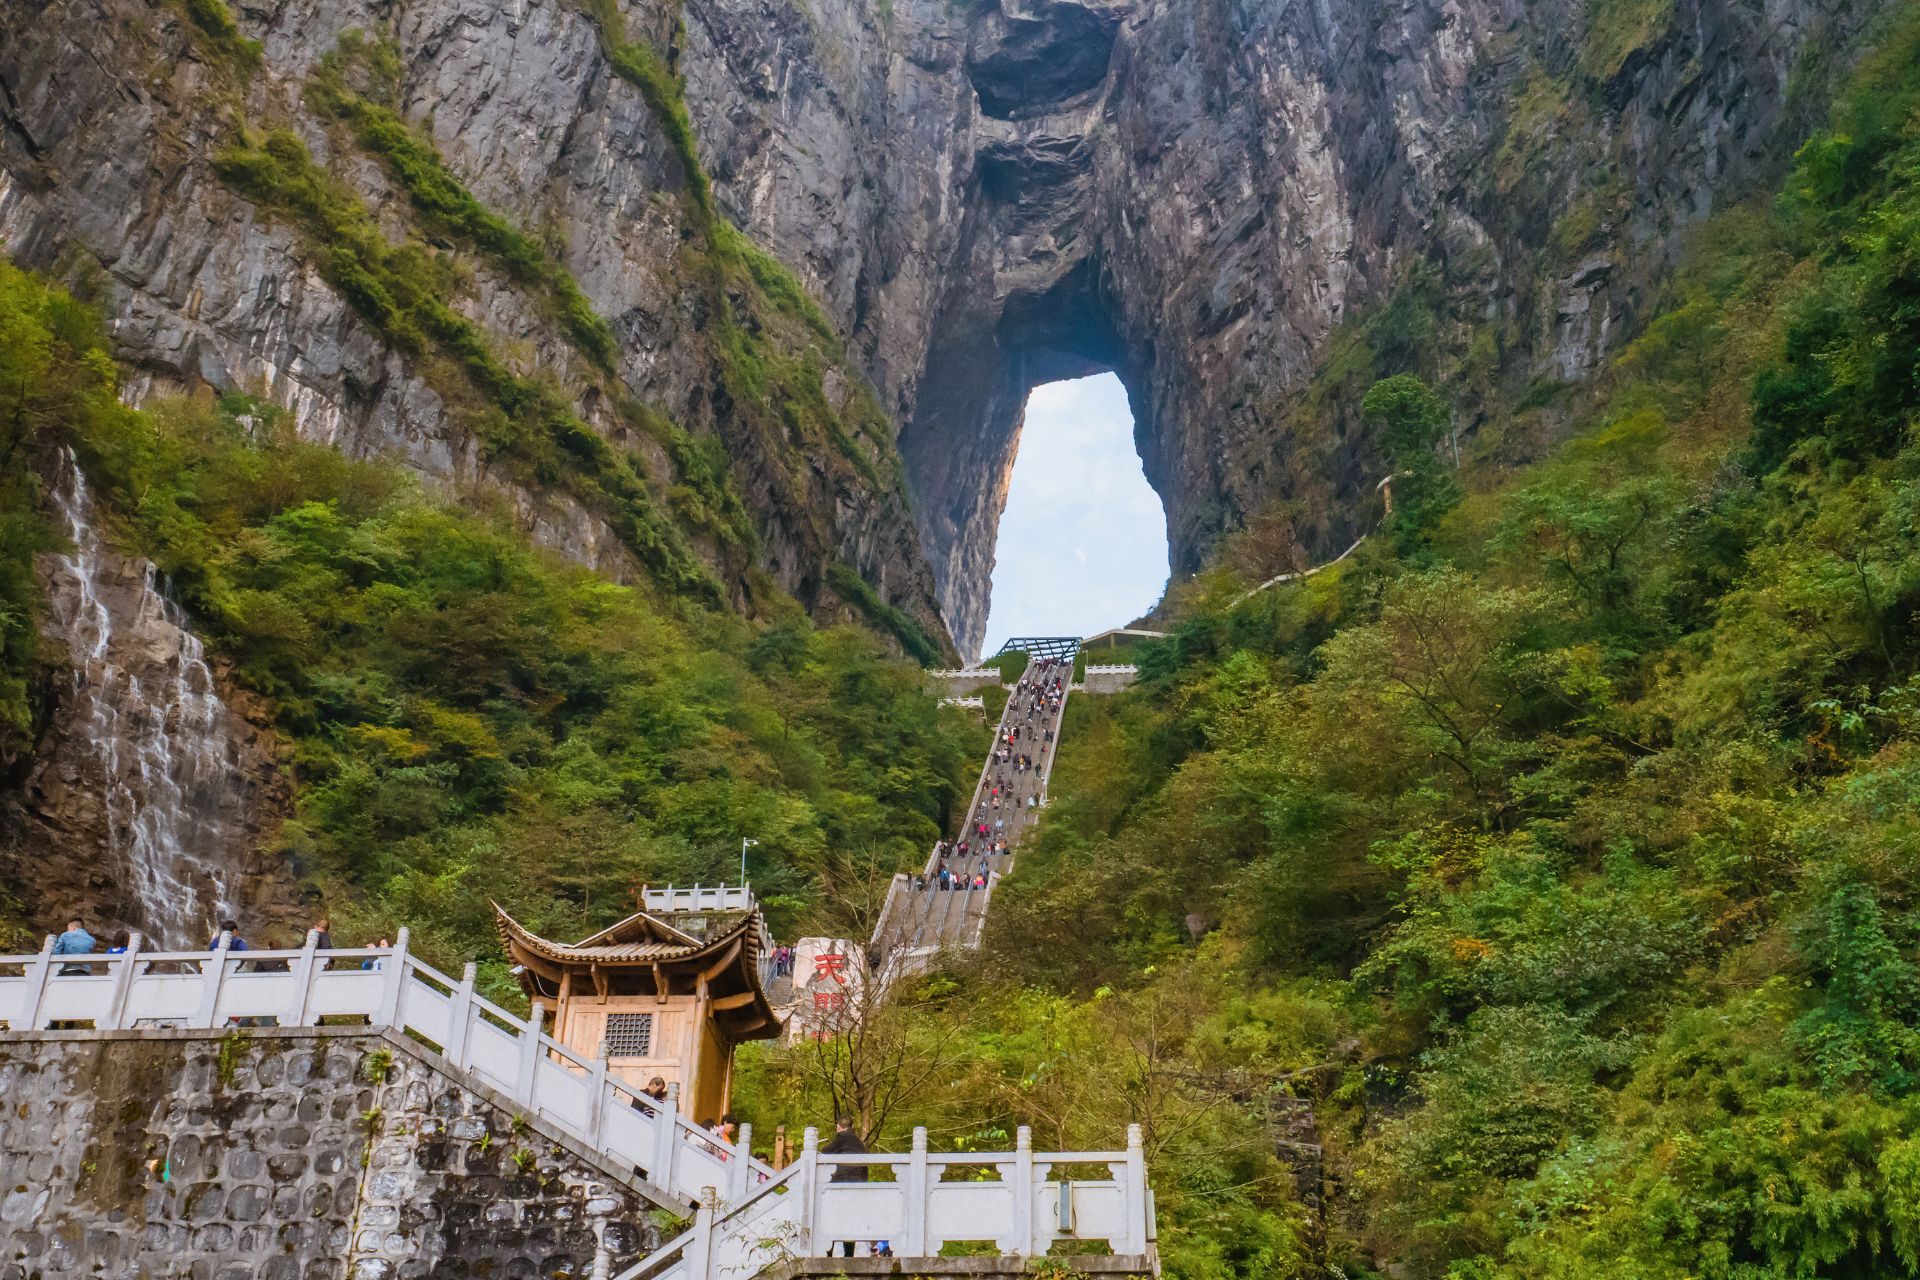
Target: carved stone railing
<point x="749" y="1214"/>
<point x="1016" y="1201"/>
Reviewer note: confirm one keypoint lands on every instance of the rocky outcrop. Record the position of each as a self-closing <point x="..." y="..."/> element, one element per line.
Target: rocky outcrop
<point x="983" y="196"/>
<point x="112" y="113"/>
<point x="1196" y="195"/>
<point x="151" y="796"/>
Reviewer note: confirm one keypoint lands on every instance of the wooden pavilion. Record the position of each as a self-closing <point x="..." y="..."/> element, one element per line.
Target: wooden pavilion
<point x="669" y="991"/>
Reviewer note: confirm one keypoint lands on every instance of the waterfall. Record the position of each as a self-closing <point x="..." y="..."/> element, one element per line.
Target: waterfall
<point x="145" y="704"/>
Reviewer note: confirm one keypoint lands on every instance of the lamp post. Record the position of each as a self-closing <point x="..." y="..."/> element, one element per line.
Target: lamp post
<point x="744" y="846"/>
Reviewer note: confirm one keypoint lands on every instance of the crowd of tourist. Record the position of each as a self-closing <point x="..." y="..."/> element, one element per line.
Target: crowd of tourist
<point x="1012" y="785"/>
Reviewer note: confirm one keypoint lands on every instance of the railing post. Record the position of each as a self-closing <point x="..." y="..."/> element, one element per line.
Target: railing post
<point x="597" y="1096"/>
<point x="811" y="1245"/>
<point x="214" y="970"/>
<point x="1135" y="1192"/>
<point x="740" y="1167"/>
<point x="913" y="1238"/>
<point x="396" y="976"/>
<point x="1022" y="1186"/>
<point x="460" y="1017"/>
<point x="700" y="1251"/>
<point x="296" y="1015"/>
<point x="124" y="971"/>
<point x="666" y="1140"/>
<point x="529" y="1056"/>
<point x="36" y="996"/>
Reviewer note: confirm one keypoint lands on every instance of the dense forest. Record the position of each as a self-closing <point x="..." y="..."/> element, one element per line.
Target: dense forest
<point x="1558" y="848"/>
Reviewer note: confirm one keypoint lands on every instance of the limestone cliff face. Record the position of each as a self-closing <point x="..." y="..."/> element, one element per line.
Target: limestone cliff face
<point x="983" y="195"/>
<point x="113" y="114"/>
<point x="1195" y="194"/>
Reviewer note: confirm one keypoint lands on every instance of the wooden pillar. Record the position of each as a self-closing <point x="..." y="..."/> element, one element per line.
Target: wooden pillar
<point x="701" y="1000"/>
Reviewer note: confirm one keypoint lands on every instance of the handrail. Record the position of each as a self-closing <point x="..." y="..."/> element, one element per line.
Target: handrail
<point x="741" y="1203"/>
<point x="391" y="989"/>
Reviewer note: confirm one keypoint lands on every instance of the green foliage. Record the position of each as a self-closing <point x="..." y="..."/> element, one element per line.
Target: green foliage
<point x="227" y="1059"/>
<point x="1415" y="416"/>
<point x="52" y="372"/>
<point x="858" y="592"/>
<point x="1618" y="29"/>
<point x="461" y="709"/>
<point x="216" y="24"/>
<point x="467" y="718"/>
<point x="402" y="291"/>
<point x="1844" y="386"/>
<point x="1416" y="420"/>
<point x="1865" y="1031"/>
<point x="1590" y="807"/>
<point x="377" y="1066"/>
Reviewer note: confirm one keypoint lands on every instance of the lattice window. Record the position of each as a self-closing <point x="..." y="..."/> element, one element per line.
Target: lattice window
<point x="629" y="1035"/>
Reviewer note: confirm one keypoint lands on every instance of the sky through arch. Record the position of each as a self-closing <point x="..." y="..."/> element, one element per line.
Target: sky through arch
<point x="1083" y="543"/>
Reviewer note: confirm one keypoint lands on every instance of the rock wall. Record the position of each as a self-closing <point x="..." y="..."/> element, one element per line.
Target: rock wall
<point x="983" y="196"/>
<point x="112" y="116"/>
<point x="283" y="1155"/>
<point x="1195" y="194"/>
<point x="151" y="793"/>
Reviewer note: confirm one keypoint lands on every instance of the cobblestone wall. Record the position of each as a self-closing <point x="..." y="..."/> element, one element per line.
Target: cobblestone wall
<point x="285" y="1155"/>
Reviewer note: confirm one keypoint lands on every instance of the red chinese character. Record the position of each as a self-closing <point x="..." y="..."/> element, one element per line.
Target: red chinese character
<point x="829" y="965"/>
<point x="829" y="999"/>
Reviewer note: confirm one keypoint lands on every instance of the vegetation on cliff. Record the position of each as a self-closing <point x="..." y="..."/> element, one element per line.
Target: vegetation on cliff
<point x="1560" y="847"/>
<point x="468" y="718"/>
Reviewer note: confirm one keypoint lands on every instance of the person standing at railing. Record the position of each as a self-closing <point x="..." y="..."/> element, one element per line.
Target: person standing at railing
<point x="656" y="1091"/>
<point x="76" y="941"/>
<point x="235" y="942"/>
<point x="845" y="1142"/>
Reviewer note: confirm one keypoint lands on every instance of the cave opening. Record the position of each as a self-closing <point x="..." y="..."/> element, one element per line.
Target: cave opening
<point x="993" y="350"/>
<point x="1082" y="541"/>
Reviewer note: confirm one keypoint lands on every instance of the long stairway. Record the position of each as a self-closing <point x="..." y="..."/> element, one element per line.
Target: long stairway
<point x="924" y="914"/>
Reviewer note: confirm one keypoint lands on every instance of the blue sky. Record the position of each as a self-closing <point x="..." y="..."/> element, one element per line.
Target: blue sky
<point x="1083" y="543"/>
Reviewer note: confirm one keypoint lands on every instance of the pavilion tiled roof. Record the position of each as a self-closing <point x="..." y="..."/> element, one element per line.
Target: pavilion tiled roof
<point x="620" y="944"/>
<point x="644" y="940"/>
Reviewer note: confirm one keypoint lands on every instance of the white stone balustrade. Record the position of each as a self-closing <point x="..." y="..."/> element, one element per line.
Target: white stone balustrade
<point x="1023" y="1211"/>
<point x="749" y="1215"/>
<point x="708" y="897"/>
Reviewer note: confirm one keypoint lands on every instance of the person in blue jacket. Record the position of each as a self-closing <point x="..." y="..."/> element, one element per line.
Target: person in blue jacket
<point x="76" y="941"/>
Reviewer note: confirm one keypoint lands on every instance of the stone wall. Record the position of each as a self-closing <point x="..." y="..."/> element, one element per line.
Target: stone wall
<point x="1111" y="678"/>
<point x="957" y="684"/>
<point x="323" y="1154"/>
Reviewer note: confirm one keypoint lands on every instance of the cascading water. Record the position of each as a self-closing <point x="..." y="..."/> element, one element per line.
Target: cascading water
<point x="157" y="733"/>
